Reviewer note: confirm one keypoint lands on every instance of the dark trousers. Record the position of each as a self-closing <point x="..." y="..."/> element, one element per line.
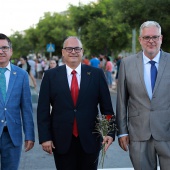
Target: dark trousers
<point x="76" y="158"/>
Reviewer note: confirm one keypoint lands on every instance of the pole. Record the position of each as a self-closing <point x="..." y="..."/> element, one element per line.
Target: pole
<point x="134" y="41"/>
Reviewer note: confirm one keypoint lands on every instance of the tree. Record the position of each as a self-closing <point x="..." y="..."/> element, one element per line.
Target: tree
<point x="101" y="29"/>
<point x="136" y="12"/>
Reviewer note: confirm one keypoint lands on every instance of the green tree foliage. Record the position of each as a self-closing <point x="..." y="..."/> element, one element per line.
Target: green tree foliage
<point x="20" y="45"/>
<point x="104" y="27"/>
<point x="101" y="30"/>
<point x="52" y="28"/>
<point x="136" y="12"/>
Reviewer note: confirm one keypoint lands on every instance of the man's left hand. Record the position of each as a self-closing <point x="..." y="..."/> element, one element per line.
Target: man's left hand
<point x="107" y="140"/>
<point x="28" y="145"/>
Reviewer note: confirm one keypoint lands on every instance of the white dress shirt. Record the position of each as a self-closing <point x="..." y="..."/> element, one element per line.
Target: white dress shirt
<point x="69" y="75"/>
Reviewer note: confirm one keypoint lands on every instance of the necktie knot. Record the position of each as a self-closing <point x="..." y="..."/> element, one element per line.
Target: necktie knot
<point x="3" y="70"/>
<point x="152" y="62"/>
<point x="73" y="72"/>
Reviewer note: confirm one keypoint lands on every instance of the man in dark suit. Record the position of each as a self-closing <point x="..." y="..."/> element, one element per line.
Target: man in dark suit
<point x="15" y="109"/>
<point x="57" y="133"/>
<point x="143" y="102"/>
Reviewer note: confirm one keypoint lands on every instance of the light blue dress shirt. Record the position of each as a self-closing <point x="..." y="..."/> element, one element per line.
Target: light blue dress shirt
<point x="147" y="73"/>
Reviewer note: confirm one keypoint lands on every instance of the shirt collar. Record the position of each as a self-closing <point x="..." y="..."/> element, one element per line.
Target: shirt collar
<point x="8" y="67"/>
<point x="156" y="58"/>
<point x="78" y="70"/>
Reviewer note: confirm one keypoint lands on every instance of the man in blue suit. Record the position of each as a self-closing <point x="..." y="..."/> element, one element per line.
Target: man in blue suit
<point x="15" y="109"/>
<point x="80" y="150"/>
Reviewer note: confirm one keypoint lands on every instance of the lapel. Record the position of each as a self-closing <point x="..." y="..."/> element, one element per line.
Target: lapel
<point x="1" y="98"/>
<point x="86" y="75"/>
<point x="161" y="68"/>
<point x="85" y="79"/>
<point x="62" y="76"/>
<point x="139" y="63"/>
<point x="13" y="76"/>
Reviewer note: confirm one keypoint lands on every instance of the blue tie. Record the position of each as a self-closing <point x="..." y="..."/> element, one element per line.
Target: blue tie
<point x="3" y="82"/>
<point x="153" y="73"/>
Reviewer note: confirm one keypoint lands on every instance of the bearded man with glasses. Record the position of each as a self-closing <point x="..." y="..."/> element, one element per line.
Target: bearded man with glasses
<point x="74" y="91"/>
<point x="143" y="102"/>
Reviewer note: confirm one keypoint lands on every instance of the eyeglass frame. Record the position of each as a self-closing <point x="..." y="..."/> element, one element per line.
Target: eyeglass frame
<point x="5" y="50"/>
<point x="73" y="48"/>
<point x="154" y="38"/>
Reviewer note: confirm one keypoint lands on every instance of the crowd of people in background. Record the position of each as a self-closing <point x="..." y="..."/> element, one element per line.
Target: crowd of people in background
<point x="36" y="66"/>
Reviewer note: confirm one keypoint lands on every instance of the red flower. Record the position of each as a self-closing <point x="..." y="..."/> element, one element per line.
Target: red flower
<point x="108" y="117"/>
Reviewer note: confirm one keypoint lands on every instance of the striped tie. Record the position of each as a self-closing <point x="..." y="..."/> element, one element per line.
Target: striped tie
<point x="3" y="82"/>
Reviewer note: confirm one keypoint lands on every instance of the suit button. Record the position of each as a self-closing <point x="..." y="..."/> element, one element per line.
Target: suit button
<point x="5" y="108"/>
<point x="75" y="110"/>
<point x="152" y="110"/>
<point x="2" y="121"/>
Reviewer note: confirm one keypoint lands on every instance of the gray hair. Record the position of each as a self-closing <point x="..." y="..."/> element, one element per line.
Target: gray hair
<point x="72" y="37"/>
<point x="149" y="24"/>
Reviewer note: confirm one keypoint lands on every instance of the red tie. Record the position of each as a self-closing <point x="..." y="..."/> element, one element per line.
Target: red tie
<point x="74" y="94"/>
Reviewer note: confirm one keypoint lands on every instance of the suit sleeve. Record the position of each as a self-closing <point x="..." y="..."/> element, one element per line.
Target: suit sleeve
<point x="26" y="110"/>
<point x="43" y="111"/>
<point x="122" y="101"/>
<point x="105" y="100"/>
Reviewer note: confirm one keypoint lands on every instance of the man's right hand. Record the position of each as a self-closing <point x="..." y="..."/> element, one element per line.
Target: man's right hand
<point x="48" y="146"/>
<point x="124" y="142"/>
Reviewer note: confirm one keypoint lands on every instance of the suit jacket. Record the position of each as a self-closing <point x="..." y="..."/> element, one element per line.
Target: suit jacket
<point x="136" y="113"/>
<point x="58" y="125"/>
<point x="17" y="108"/>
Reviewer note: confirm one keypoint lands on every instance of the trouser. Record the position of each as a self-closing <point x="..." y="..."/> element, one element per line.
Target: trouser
<point x="10" y="155"/>
<point x="144" y="154"/>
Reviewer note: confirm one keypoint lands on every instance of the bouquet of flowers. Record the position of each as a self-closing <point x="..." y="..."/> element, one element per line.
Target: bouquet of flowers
<point x="105" y="125"/>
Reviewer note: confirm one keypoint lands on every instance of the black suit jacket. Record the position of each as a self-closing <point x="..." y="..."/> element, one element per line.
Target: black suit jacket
<point x="58" y="125"/>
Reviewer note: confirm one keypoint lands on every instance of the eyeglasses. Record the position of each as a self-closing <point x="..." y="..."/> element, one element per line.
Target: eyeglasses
<point x="70" y="49"/>
<point x="5" y="48"/>
<point x="148" y="38"/>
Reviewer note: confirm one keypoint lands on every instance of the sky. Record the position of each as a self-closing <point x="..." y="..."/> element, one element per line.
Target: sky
<point x="18" y="15"/>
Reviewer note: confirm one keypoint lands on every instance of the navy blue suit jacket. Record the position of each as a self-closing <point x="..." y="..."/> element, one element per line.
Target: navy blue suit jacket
<point x="57" y="125"/>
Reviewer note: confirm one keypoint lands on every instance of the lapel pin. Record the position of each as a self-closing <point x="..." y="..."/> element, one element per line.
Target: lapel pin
<point x="14" y="73"/>
<point x="88" y="73"/>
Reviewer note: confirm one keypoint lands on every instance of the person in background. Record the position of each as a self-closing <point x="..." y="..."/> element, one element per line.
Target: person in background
<point x="39" y="69"/>
<point x="102" y="59"/>
<point x="94" y="62"/>
<point x="86" y="61"/>
<point x="33" y="65"/>
<point x="15" y="109"/>
<point x="68" y="130"/>
<point x="52" y="63"/>
<point x="143" y="99"/>
<point x="108" y="72"/>
<point x="26" y="66"/>
<point x="118" y="65"/>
